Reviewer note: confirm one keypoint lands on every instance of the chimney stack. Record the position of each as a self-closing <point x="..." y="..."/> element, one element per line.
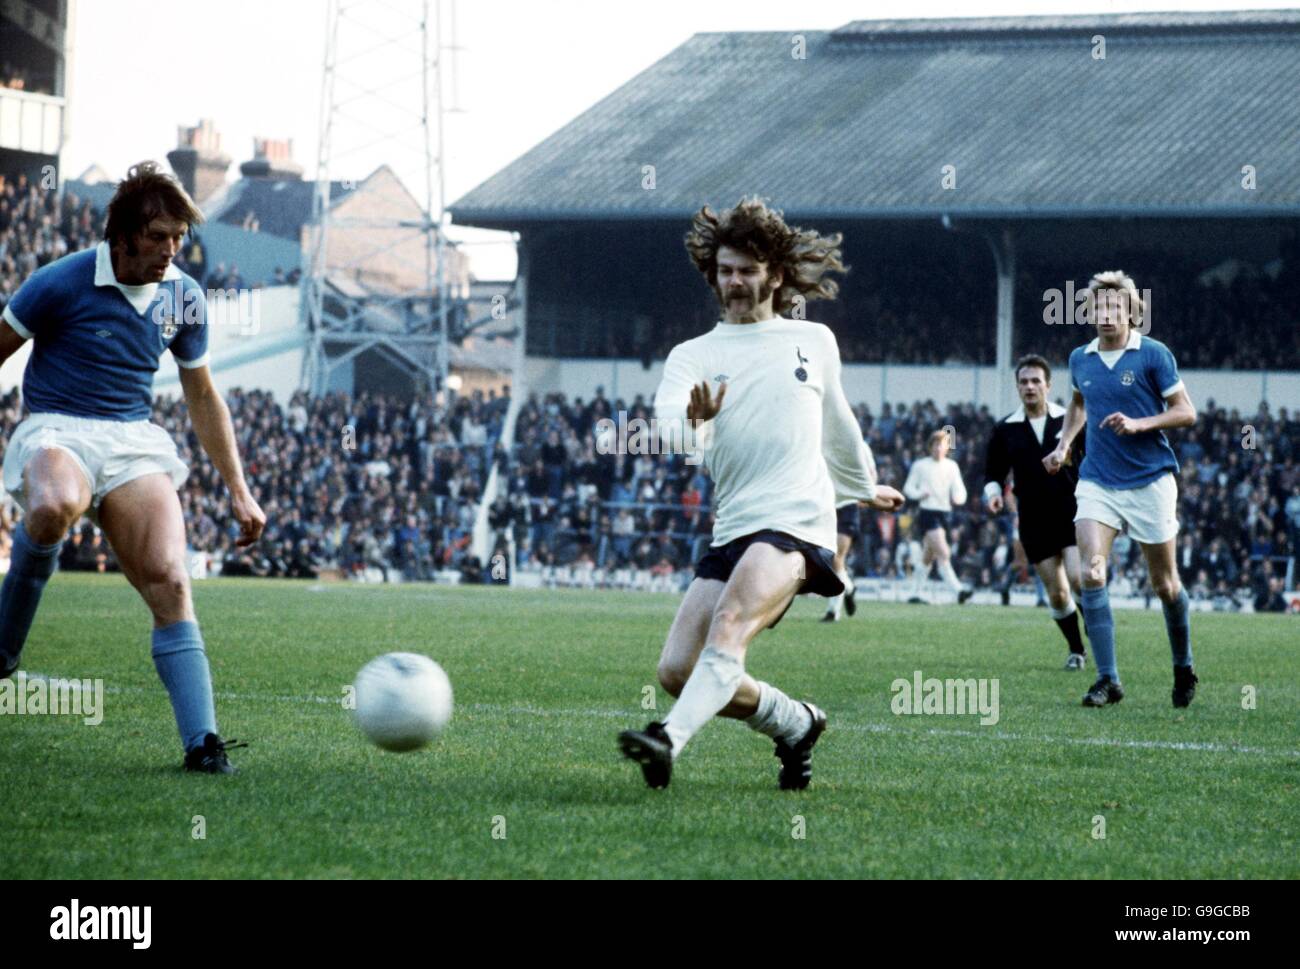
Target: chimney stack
<point x="272" y="158"/>
<point x="197" y="160"/>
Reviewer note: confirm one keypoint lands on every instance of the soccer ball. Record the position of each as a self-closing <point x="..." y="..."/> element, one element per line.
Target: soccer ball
<point x="403" y="700"/>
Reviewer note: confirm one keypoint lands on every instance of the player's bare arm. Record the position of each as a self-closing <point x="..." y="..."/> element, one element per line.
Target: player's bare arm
<point x="10" y="341"/>
<point x="211" y="420"/>
<point x="1180" y="412"/>
<point x="1075" y="418"/>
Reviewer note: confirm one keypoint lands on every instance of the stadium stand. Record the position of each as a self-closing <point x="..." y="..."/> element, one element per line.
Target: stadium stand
<point x="381" y="488"/>
<point x="402" y="500"/>
<point x="37" y="227"/>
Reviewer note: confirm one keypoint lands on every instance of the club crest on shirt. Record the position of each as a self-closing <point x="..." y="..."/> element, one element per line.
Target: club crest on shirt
<point x="800" y="373"/>
<point x="169" y="327"/>
<point x="1127" y="378"/>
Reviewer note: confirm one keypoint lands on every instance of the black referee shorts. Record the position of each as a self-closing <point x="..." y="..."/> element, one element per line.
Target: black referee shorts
<point x="1045" y="535"/>
<point x="819" y="572"/>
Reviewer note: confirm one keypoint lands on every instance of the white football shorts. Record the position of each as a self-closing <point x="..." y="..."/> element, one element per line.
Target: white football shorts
<point x="1149" y="514"/>
<point x="109" y="453"/>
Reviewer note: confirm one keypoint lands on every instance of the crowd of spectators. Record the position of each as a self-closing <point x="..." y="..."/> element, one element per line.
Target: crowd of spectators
<point x="347" y="484"/>
<point x="570" y="505"/>
<point x="379" y="487"/>
<point x="370" y="483"/>
<point x="38" y="227"/>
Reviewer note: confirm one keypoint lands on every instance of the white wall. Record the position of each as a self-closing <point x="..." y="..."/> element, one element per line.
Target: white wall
<point x="876" y="383"/>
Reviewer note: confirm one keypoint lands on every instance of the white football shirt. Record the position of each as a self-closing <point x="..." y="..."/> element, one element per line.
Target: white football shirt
<point x="785" y="443"/>
<point x="936" y="484"/>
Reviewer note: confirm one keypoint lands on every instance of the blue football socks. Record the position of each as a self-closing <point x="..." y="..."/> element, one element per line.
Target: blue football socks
<point x="183" y="667"/>
<point x="30" y="567"/>
<point x="1095" y="605"/>
<point x="1179" y="626"/>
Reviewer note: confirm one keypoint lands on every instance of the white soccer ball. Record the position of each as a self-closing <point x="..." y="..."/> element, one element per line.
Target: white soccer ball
<point x="403" y="700"/>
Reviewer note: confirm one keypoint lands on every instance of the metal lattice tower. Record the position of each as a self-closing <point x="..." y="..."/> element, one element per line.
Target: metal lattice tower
<point x="375" y="275"/>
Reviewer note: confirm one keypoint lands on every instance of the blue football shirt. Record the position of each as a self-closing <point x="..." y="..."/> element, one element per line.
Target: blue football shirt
<point x="1136" y="385"/>
<point x="96" y="342"/>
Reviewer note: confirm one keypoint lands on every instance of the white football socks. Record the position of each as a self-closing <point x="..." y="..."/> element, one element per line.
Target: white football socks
<point x="949" y="576"/>
<point x="708" y="689"/>
<point x="920" y="573"/>
<point x="778" y="716"/>
<point x="834" y="605"/>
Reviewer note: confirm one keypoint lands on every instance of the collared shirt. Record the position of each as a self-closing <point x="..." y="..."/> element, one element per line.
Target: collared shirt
<point x="1017" y="446"/>
<point x="97" y="342"/>
<point x="1136" y="382"/>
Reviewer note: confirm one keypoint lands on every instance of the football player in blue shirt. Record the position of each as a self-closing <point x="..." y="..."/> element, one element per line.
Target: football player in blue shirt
<point x="1127" y="390"/>
<point x="99" y="321"/>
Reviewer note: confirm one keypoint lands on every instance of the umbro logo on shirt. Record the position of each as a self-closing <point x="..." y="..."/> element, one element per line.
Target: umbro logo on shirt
<point x="103" y="334"/>
<point x="722" y="378"/>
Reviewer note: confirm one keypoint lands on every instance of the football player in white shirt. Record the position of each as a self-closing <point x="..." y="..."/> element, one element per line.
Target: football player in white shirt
<point x="780" y="441"/>
<point x="935" y="482"/>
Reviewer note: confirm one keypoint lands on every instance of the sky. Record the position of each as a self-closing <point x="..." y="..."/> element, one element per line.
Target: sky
<point x="522" y="69"/>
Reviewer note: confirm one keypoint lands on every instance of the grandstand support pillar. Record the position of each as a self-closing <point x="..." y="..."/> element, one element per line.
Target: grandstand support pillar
<point x="481" y="540"/>
<point x="519" y="379"/>
<point x="1003" y="245"/>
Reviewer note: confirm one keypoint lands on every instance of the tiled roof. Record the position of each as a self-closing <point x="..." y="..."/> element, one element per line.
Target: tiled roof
<point x="1033" y="121"/>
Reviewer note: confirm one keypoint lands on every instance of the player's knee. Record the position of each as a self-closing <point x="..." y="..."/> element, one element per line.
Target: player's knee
<point x="166" y="585"/>
<point x="50" y="515"/>
<point x="1059" y="597"/>
<point x="1167" y="588"/>
<point x="1092" y="573"/>
<point x="672" y="677"/>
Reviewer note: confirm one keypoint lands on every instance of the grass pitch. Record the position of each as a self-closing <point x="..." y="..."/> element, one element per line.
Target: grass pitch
<point x="527" y="782"/>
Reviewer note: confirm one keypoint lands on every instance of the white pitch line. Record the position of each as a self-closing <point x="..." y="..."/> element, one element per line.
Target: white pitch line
<point x="514" y="709"/>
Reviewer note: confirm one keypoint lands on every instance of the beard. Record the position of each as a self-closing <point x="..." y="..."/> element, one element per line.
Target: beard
<point x="765" y="289"/>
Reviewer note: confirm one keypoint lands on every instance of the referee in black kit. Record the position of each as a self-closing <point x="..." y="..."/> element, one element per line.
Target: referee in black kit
<point x="1018" y="444"/>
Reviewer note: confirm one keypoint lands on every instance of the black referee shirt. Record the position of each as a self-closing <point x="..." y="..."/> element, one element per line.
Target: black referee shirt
<point x="1015" y="448"/>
